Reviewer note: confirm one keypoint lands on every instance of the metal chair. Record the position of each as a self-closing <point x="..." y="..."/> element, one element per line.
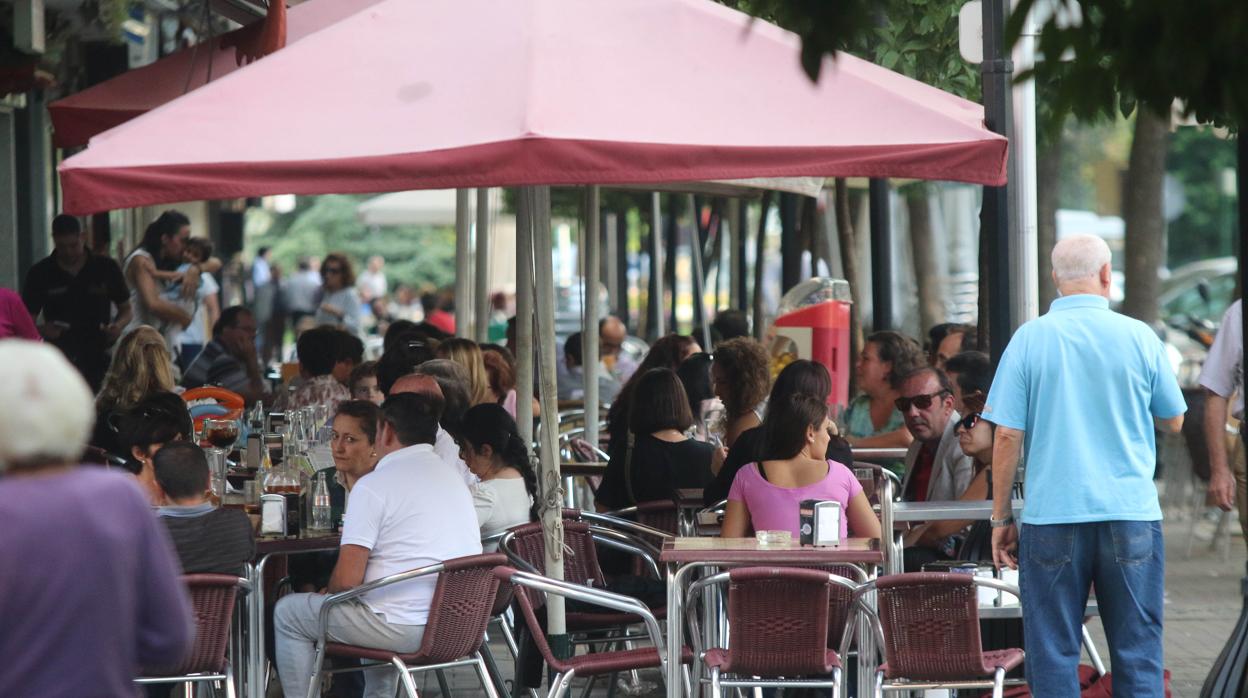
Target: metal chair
<point x="780" y="620"/>
<point x="928" y="625"/>
<point x="212" y="599"/>
<point x="458" y="614"/>
<point x="531" y="591"/>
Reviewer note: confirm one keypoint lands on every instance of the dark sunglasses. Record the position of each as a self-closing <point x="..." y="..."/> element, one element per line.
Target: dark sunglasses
<point x="969" y="421"/>
<point x="332" y="270"/>
<point x="920" y="401"/>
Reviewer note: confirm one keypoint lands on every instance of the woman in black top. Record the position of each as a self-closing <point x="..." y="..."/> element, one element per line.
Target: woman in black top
<point x="666" y="352"/>
<point x="801" y="377"/>
<point x="656" y="458"/>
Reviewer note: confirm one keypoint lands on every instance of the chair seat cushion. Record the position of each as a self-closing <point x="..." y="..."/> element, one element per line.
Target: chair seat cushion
<point x="722" y="659"/>
<point x="1005" y="659"/>
<point x="335" y="649"/>
<point x="596" y="663"/>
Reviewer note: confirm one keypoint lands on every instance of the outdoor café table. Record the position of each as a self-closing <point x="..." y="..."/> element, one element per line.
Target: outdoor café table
<point x="267" y="547"/>
<point x="955" y="510"/>
<point x="683" y="555"/>
<point x="578" y="497"/>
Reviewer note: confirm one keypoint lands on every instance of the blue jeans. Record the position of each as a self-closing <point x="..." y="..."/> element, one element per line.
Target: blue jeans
<point x="1125" y="562"/>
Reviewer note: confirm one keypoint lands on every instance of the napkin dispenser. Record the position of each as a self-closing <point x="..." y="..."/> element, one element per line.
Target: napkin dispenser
<point x="273" y="515"/>
<point x="820" y="522"/>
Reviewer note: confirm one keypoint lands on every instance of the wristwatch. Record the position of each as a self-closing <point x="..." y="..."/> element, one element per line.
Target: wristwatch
<point x="1001" y="523"/>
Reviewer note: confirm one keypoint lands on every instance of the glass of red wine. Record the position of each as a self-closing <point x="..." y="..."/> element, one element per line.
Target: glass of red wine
<point x="221" y="434"/>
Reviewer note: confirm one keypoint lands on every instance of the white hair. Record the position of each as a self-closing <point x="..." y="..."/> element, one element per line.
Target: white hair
<point x="1079" y="257"/>
<point x="46" y="408"/>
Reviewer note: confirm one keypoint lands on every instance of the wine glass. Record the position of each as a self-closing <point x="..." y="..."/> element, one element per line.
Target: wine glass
<point x="221" y="434"/>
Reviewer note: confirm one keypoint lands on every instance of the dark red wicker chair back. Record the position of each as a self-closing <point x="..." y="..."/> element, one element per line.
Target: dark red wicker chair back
<point x="580" y="561"/>
<point x="462" y="606"/>
<point x="661" y="514"/>
<point x="529" y="600"/>
<point x="931" y="626"/>
<point x="777" y="619"/>
<point x="212" y="602"/>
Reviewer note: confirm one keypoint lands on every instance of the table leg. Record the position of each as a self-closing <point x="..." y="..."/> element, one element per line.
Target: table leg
<point x="673" y="632"/>
<point x="255" y="668"/>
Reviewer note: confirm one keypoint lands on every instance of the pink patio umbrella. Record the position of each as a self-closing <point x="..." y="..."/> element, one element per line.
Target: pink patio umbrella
<point x="443" y="94"/>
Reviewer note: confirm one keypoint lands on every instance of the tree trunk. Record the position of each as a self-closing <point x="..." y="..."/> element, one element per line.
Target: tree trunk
<point x="849" y="264"/>
<point x="1143" y="244"/>
<point x="1048" y="176"/>
<point x="926" y="276"/>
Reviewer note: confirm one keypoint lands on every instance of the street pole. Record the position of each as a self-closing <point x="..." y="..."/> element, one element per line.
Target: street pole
<point x="997" y="71"/>
<point x="589" y="337"/>
<point x="655" y="304"/>
<point x="1024" y="216"/>
<point x="481" y="294"/>
<point x="881" y="255"/>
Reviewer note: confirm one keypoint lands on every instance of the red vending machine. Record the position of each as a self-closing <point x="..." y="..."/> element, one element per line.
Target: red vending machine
<point x="812" y="323"/>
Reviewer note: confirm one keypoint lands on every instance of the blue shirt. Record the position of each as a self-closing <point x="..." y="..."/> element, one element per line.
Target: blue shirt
<point x="1084" y="383"/>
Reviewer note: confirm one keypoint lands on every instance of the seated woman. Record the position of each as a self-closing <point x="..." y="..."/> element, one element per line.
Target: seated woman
<point x="155" y="421"/>
<point x="351" y="443"/>
<point x="491" y="446"/>
<point x="695" y="375"/>
<point x="941" y="540"/>
<point x="766" y="495"/>
<point x="801" y="377"/>
<point x="872" y="419"/>
<point x="741" y="377"/>
<point x="141" y="366"/>
<point x="656" y="458"/>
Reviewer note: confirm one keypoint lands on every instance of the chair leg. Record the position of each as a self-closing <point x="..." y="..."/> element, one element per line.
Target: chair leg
<point x="491" y="666"/>
<point x="1093" y="655"/>
<point x="491" y="691"/>
<point x="405" y="678"/>
<point x="836" y="682"/>
<point x="443" y="686"/>
<point x="229" y="680"/>
<point x="559" y="684"/>
<point x="998" y="682"/>
<point x="509" y="638"/>
<point x="717" y="691"/>
<point x="589" y="686"/>
<point x="879" y="684"/>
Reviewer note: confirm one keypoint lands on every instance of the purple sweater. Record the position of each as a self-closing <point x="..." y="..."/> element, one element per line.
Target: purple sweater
<point x="89" y="587"/>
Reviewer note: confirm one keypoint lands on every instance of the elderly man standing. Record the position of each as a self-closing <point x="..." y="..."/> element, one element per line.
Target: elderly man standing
<point x="936" y="468"/>
<point x="89" y="588"/>
<point x="1078" y="392"/>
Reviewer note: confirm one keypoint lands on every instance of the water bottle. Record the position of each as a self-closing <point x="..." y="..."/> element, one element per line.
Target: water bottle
<point x="320" y="504"/>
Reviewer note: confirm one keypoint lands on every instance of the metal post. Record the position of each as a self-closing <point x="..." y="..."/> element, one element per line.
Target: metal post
<point x="997" y="70"/>
<point x="760" y="247"/>
<point x="736" y="256"/>
<point x="463" y="262"/>
<point x="699" y="290"/>
<point x="524" y="321"/>
<point x="1024" y="223"/>
<point x="881" y="256"/>
<point x="481" y="293"/>
<point x="655" y="304"/>
<point x="538" y="209"/>
<point x="614" y="275"/>
<point x="790" y="251"/>
<point x="589" y="337"/>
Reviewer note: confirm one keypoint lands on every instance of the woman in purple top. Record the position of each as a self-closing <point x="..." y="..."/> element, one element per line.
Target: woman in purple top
<point x="765" y="496"/>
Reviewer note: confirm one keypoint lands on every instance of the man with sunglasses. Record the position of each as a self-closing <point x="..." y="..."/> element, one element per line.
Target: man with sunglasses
<point x="936" y="468"/>
<point x="1078" y="393"/>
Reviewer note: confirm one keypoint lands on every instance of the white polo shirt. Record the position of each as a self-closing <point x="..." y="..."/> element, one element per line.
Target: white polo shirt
<point x="413" y="510"/>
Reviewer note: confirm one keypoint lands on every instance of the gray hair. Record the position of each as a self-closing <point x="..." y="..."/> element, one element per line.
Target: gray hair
<point x="453" y="380"/>
<point x="1079" y="257"/>
<point x="46" y="408"/>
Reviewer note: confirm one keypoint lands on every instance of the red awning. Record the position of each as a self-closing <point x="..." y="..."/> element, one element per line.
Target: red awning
<point x="78" y="117"/>
<point x="465" y="93"/>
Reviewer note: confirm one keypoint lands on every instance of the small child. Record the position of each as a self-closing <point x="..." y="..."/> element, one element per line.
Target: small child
<point x="190" y="341"/>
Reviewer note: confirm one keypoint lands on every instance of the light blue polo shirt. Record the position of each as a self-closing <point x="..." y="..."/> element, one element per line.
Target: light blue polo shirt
<point x="1084" y="383"/>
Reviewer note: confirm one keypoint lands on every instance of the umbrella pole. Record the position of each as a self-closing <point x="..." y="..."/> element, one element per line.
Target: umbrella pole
<point x="524" y="322"/>
<point x="589" y="338"/>
<point x="481" y="294"/>
<point x="699" y="288"/>
<point x="656" y="267"/>
<point x="536" y="210"/>
<point x="463" y="262"/>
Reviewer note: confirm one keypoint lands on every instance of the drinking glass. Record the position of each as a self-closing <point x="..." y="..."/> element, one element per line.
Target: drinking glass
<point x="221" y="434"/>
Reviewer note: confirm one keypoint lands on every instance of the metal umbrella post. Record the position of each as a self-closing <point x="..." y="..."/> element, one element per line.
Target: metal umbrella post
<point x="463" y="263"/>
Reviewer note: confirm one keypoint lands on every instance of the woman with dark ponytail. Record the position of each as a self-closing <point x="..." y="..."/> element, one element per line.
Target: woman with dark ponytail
<point x="490" y="445"/>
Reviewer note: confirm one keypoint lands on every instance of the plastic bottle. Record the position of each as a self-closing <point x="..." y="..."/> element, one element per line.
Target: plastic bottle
<point x="320" y="504"/>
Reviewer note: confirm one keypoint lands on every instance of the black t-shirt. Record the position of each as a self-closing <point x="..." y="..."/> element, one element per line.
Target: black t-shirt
<point x="84" y="301"/>
<point x="749" y="448"/>
<point x="659" y="469"/>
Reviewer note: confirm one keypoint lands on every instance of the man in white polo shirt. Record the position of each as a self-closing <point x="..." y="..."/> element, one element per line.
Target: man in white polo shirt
<point x="413" y="510"/>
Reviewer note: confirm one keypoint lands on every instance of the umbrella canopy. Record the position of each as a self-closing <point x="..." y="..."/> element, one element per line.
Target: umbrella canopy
<point x="465" y="93"/>
<point x="78" y="117"/>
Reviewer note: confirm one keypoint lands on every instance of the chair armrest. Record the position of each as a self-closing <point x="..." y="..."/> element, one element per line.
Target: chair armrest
<point x="356" y="592"/>
<point x="618" y="540"/>
<point x="614" y="519"/>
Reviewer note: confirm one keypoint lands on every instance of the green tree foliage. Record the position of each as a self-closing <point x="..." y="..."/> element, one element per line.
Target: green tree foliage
<point x="414" y="255"/>
<point x="1198" y="160"/>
